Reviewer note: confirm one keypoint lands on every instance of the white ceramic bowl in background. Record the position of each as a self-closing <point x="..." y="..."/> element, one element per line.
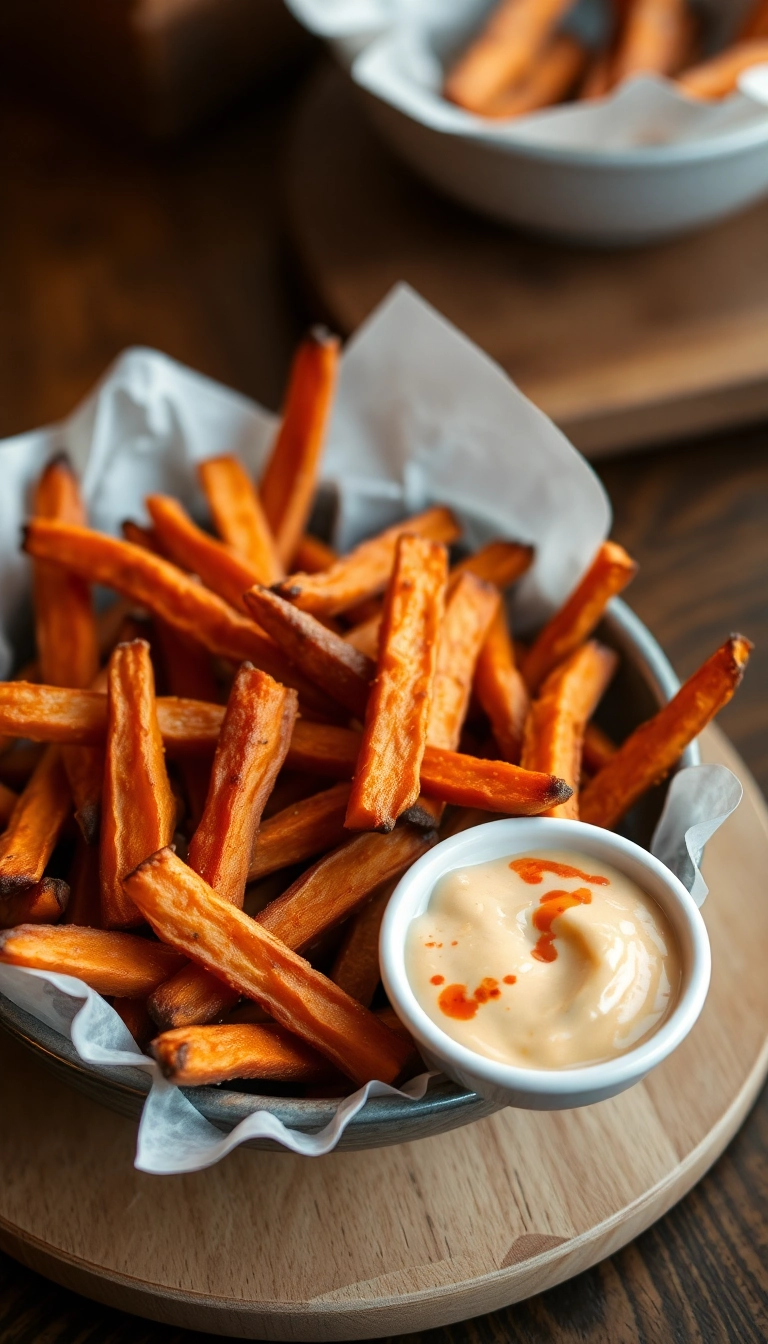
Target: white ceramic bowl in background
<point x="599" y="197"/>
<point x="544" y="1089"/>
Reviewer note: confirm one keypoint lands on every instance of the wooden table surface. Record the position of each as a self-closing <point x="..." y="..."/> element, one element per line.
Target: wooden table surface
<point x="105" y="245"/>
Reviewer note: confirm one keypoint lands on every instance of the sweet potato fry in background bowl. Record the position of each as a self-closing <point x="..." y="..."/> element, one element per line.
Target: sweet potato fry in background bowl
<point x="643" y="683"/>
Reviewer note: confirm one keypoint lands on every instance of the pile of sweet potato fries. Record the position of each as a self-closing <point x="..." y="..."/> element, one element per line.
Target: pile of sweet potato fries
<point x="529" y="54"/>
<point x="217" y="858"/>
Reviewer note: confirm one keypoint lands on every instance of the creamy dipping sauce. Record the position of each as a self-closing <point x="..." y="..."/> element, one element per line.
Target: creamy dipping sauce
<point x="543" y="960"/>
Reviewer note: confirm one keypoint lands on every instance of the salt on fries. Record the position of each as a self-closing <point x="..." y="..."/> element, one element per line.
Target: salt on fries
<point x="317" y="713"/>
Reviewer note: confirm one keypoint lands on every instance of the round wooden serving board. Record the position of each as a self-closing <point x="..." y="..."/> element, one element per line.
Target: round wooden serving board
<point x="623" y="349"/>
<point x="357" y="1245"/>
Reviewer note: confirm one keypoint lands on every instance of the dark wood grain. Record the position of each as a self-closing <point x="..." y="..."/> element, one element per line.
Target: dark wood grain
<point x="102" y="246"/>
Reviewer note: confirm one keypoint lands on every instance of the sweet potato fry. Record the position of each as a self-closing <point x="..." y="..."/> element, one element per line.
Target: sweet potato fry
<point x="554" y="731"/>
<point x="187" y="670"/>
<point x="504" y="52"/>
<point x="356" y="967"/>
<point x="238" y="515"/>
<point x="365" y="637"/>
<point x="65" y="628"/>
<point x="598" y="77"/>
<point x="598" y="748"/>
<point x="495" y="786"/>
<point x="35" y="824"/>
<point x="365" y="571"/>
<point x="251" y="749"/>
<point x="500" y="562"/>
<point x="167" y="592"/>
<point x="182" y="908"/>
<point x="305" y="828"/>
<point x="326" y="659"/>
<point x="553" y="75"/>
<point x="719" y="76"/>
<point x="610" y="571"/>
<point x="656" y="36"/>
<point x="84" y="905"/>
<point x="755" y="23"/>
<point x="386" y="781"/>
<point x="334" y="887"/>
<point x="222" y="569"/>
<point x="287" y="486"/>
<point x="8" y="800"/>
<point x="254" y="739"/>
<point x="111" y="963"/>
<point x="136" y="1018"/>
<point x="139" y="809"/>
<point x="43" y="903"/>
<point x="649" y="753"/>
<point x="469" y="610"/>
<point x="501" y="690"/>
<point x="196" y="1056"/>
<point x="312" y="555"/>
<point x="321" y="898"/>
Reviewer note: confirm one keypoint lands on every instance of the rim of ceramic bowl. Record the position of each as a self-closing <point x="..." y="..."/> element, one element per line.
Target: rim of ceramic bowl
<point x="125" y="1089"/>
<point x="500" y="839"/>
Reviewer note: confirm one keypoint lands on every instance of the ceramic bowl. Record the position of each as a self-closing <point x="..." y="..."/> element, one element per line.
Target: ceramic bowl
<point x="544" y="1089"/>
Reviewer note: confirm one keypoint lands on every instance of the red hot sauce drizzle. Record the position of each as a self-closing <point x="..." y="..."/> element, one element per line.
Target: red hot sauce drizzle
<point x="533" y="870"/>
<point x="454" y="1002"/>
<point x="550" y="906"/>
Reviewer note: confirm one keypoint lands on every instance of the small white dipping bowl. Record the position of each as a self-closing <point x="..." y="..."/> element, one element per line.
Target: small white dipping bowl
<point x="544" y="1089"/>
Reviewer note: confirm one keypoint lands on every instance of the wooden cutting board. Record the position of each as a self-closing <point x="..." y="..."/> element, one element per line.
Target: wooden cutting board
<point x="358" y="1245"/>
<point x="623" y="349"/>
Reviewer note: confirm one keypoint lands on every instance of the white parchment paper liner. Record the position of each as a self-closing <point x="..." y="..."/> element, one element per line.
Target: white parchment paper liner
<point x="421" y="415"/>
<point x="398" y="50"/>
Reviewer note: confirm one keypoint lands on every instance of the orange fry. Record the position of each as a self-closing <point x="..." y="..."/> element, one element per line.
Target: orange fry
<point x="199" y="1056"/>
<point x="719" y="76"/>
<point x="365" y="571"/>
<point x="35" y="824"/>
<point x="494" y="786"/>
<point x="326" y="659"/>
<point x="308" y="827"/>
<point x="386" y="780"/>
<point x="469" y="610"/>
<point x="554" y="731"/>
<point x="312" y="555"/>
<point x="66" y="630"/>
<point x="138" y="809"/>
<point x="610" y="571"/>
<point x="356" y="968"/>
<point x="321" y="898"/>
<point x="238" y="515"/>
<point x="656" y="37"/>
<point x="254" y="739"/>
<point x="550" y="79"/>
<point x="500" y="562"/>
<point x="167" y="592"/>
<point x="222" y="569"/>
<point x="136" y="1018"/>
<point x="111" y="963"/>
<point x="182" y="908"/>
<point x="334" y="887"/>
<point x="501" y="689"/>
<point x="598" y="748"/>
<point x="43" y="903"/>
<point x="504" y="52"/>
<point x="756" y="22"/>
<point x="287" y="486"/>
<point x="251" y="749"/>
<point x="649" y="753"/>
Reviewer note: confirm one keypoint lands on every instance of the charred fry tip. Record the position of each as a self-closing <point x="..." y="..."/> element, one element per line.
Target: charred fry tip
<point x="60" y="458"/>
<point x="322" y="335"/>
<point x="24" y="535"/>
<point x="87" y="818"/>
<point x="11" y="886"/>
<point x="560" y="789"/>
<point x="59" y="890"/>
